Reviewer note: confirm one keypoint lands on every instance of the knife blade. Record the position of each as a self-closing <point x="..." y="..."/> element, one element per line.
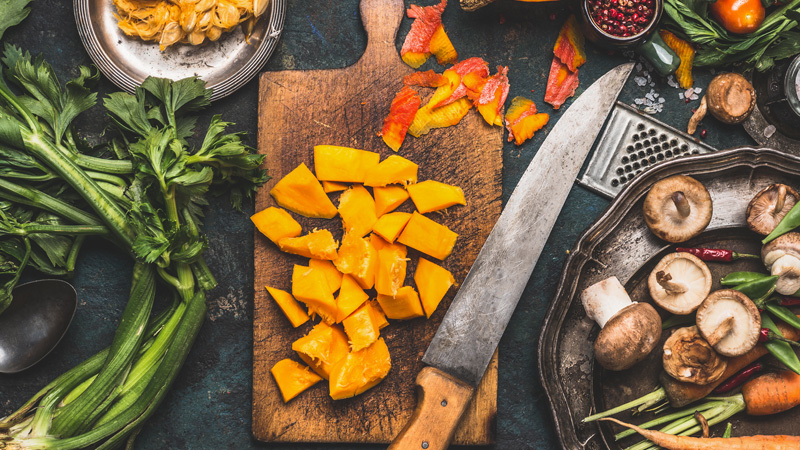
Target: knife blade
<point x="464" y="344"/>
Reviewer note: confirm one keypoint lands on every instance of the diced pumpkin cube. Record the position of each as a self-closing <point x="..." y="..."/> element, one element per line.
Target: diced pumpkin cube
<point x="361" y="328"/>
<point x="300" y="191"/>
<point x="360" y="371"/>
<point x="276" y="224"/>
<point x="427" y="236"/>
<point x="318" y="244"/>
<point x="388" y="198"/>
<point x="333" y="186"/>
<point x="357" y="258"/>
<point x="343" y="164"/>
<point x="310" y="287"/>
<point x="332" y="275"/>
<point x="404" y="305"/>
<point x="357" y="209"/>
<point x="432" y="281"/>
<point x="351" y="297"/>
<point x="293" y="378"/>
<point x="291" y="309"/>
<point x="322" y="347"/>
<point x="429" y="196"/>
<point x="391" y="271"/>
<point x="392" y="170"/>
<point x="377" y="314"/>
<point x="377" y="242"/>
<point x="389" y="226"/>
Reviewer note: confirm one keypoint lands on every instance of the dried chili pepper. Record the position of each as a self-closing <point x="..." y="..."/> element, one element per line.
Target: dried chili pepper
<point x="740" y="377"/>
<point x="737" y="278"/>
<point x="716" y="254"/>
<point x="790" y="301"/>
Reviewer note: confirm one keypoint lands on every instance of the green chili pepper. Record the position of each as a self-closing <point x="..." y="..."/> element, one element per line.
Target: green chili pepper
<point x="789" y="222"/>
<point x="783" y="313"/>
<point x="677" y="320"/>
<point x="737" y="278"/>
<point x="781" y="350"/>
<point x="758" y="288"/>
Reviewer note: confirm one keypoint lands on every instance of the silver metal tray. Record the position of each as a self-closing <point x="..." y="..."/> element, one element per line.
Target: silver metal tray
<point x="225" y="65"/>
<point x="619" y="243"/>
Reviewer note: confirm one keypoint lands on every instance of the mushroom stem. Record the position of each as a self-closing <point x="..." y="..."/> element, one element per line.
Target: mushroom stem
<point x="781" y="199"/>
<point x="682" y="204"/>
<point x="722" y="330"/>
<point x="698" y="115"/>
<point x="703" y="423"/>
<point x="672" y="287"/>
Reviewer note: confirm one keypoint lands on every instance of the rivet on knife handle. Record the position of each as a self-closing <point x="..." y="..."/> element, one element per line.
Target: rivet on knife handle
<point x="441" y="401"/>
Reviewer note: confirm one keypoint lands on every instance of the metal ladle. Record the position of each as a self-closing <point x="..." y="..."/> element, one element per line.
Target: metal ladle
<point x="35" y="322"/>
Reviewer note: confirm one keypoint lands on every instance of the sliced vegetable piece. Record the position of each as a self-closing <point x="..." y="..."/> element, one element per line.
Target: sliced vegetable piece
<point x="276" y="223"/>
<point x="377" y="314"/>
<point x="392" y="170"/>
<point x="322" y="347"/>
<point x="442" y="48"/>
<point x="377" y="242"/>
<point x="360" y="371"/>
<point x="429" y="196"/>
<point x="404" y="305"/>
<point x="416" y="47"/>
<point x="492" y="97"/>
<point x="332" y="275"/>
<point x="293" y="378"/>
<point x="318" y="244"/>
<point x="685" y="52"/>
<point x="391" y="271"/>
<point x="333" y="186"/>
<point x="388" y="198"/>
<point x="310" y="287"/>
<point x="343" y="164"/>
<point x="433" y="281"/>
<point x="289" y="306"/>
<point x="389" y="226"/>
<point x="427" y="236"/>
<point x="428" y="78"/>
<point x="357" y="209"/>
<point x="299" y="191"/>
<point x="357" y="257"/>
<point x="361" y="328"/>
<point x="561" y="84"/>
<point x="428" y="119"/>
<point x="401" y="113"/>
<point x="351" y="297"/>
<point x="522" y="120"/>
<point x="569" y="48"/>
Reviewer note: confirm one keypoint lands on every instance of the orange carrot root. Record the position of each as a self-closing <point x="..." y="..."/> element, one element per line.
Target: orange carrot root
<point x="772" y="393"/>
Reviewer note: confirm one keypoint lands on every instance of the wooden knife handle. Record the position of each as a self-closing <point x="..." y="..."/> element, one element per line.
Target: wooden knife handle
<point x="441" y="401"/>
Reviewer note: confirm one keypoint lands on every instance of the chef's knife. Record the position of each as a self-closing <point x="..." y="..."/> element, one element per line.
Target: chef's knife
<point x="470" y="331"/>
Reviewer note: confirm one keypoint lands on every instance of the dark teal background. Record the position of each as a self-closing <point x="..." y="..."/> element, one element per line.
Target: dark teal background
<point x="209" y="406"/>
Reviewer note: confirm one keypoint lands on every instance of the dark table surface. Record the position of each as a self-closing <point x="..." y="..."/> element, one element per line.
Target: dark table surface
<point x="210" y="404"/>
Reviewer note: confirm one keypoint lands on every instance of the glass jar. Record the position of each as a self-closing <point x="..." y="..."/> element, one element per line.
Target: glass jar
<point x="777" y="96"/>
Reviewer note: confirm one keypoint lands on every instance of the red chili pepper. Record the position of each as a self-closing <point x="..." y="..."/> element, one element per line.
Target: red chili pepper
<point x="716" y="254"/>
<point x="739" y="379"/>
<point x="790" y="301"/>
<point x="763" y="336"/>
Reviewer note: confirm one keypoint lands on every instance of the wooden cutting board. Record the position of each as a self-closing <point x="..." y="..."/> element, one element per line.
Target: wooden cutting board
<point x="300" y="109"/>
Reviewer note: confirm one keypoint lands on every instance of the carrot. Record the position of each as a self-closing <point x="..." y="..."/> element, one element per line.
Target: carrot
<point x="759" y="442"/>
<point x="772" y="393"/>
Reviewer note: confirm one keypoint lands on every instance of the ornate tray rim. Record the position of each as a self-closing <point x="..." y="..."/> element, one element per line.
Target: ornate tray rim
<point x="599" y="230"/>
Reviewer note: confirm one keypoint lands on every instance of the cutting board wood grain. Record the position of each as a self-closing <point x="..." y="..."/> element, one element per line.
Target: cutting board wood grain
<point x="300" y="109"/>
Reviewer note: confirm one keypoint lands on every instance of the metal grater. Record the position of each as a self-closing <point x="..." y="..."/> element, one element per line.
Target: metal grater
<point x="632" y="142"/>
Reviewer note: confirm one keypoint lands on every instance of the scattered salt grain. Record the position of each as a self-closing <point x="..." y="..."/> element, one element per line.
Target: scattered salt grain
<point x="769" y="131"/>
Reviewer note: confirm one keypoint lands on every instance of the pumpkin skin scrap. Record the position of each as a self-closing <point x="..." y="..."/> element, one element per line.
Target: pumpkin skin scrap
<point x="360" y="371"/>
<point x="388" y="198"/>
<point x="429" y="196"/>
<point x="293" y="378"/>
<point x="322" y="347"/>
<point x="357" y="209"/>
<point x="290" y="307"/>
<point x="389" y="226"/>
<point x="357" y="258"/>
<point x="361" y="328"/>
<point x="343" y="164"/>
<point x="433" y="282"/>
<point x="310" y="287"/>
<point x="332" y="276"/>
<point x="299" y="191"/>
<point x="319" y="244"/>
<point x="391" y="271"/>
<point x="392" y="170"/>
<point x="427" y="236"/>
<point x="404" y="305"/>
<point x="350" y="298"/>
<point x="276" y="224"/>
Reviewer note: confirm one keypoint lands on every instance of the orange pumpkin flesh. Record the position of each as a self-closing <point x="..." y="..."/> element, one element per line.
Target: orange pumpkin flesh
<point x="388" y="198"/>
<point x="357" y="209"/>
<point x="427" y="236"/>
<point x="351" y="297"/>
<point x="377" y="314"/>
<point x="310" y="287"/>
<point x="333" y="186"/>
<point x="391" y="269"/>
<point x="361" y="328"/>
<point x="392" y="170"/>
<point x="293" y="378"/>
<point x="291" y="309"/>
<point x="343" y="164"/>
<point x="318" y="244"/>
<point x="404" y="305"/>
<point x="389" y="226"/>
<point x="357" y="258"/>
<point x="322" y="347"/>
<point x="433" y="282"/>
<point x="332" y="276"/>
<point x="299" y="191"/>
<point x="429" y="196"/>
<point x="360" y="371"/>
<point x="276" y="224"/>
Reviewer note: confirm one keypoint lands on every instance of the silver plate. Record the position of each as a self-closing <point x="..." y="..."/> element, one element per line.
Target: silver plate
<point x="225" y="65"/>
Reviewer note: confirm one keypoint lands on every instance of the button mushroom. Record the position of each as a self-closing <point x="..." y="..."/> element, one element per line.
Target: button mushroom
<point x="688" y="357"/>
<point x="729" y="322"/>
<point x="782" y="258"/>
<point x="629" y="331"/>
<point x="729" y="97"/>
<point x="769" y="206"/>
<point x="679" y="283"/>
<point x="677" y="208"/>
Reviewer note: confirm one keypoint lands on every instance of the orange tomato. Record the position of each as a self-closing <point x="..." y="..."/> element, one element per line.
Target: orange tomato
<point x="738" y="16"/>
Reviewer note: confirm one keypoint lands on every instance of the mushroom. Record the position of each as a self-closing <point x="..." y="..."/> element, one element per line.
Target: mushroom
<point x="729" y="322"/>
<point x="769" y="206"/>
<point x="688" y="357"/>
<point x="729" y="97"/>
<point x="782" y="258"/>
<point x="629" y="331"/>
<point x="677" y="208"/>
<point x="679" y="283"/>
